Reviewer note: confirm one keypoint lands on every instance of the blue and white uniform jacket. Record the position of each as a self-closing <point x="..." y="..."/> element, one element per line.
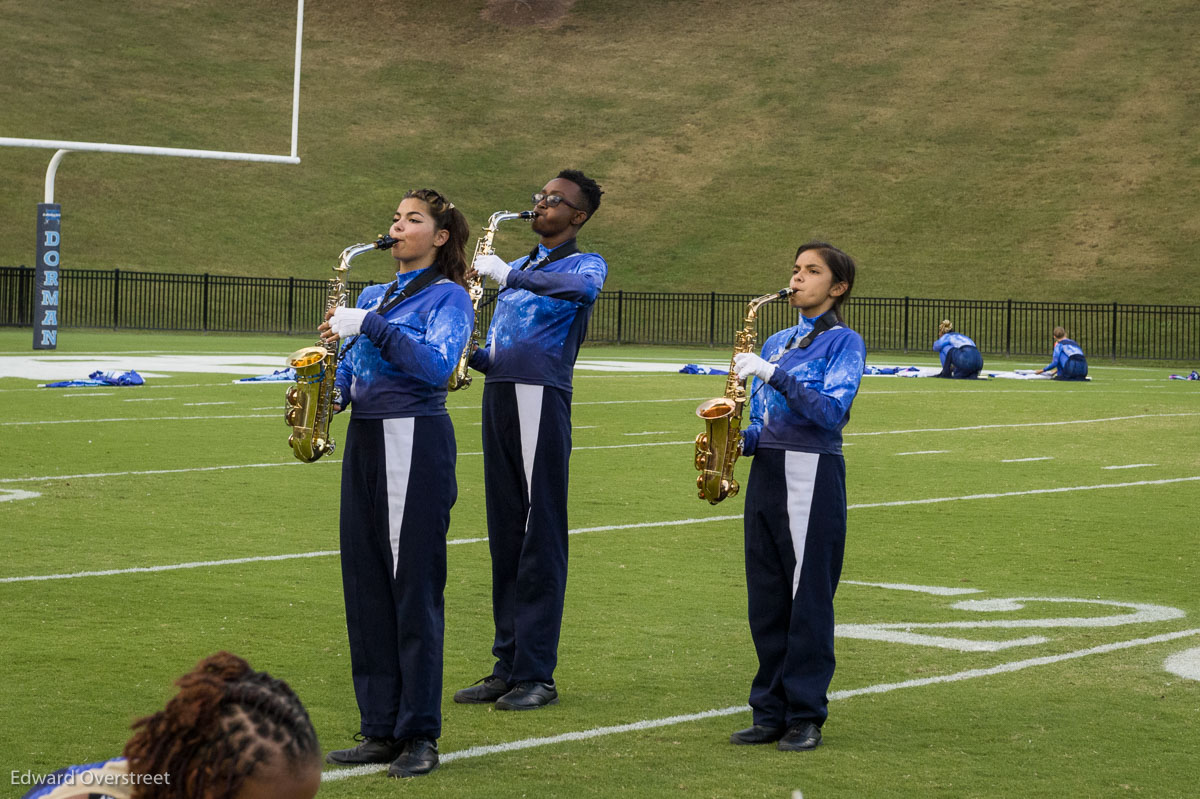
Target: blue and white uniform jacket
<point x="1063" y="350"/>
<point x="951" y="341"/>
<point x="806" y="403"/>
<point x="540" y="320"/>
<point x="400" y="364"/>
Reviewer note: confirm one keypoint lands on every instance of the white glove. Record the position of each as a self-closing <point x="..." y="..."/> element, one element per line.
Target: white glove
<point x="747" y="364"/>
<point x="347" y="322"/>
<point x="493" y="266"/>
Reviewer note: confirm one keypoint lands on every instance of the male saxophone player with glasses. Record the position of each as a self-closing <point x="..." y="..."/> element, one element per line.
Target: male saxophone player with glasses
<point x="542" y="310"/>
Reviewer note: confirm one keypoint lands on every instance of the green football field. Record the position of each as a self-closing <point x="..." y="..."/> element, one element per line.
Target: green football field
<point x="1018" y="614"/>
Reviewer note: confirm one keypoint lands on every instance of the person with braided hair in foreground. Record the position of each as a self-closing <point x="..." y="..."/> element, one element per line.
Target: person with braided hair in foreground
<point x="230" y="733"/>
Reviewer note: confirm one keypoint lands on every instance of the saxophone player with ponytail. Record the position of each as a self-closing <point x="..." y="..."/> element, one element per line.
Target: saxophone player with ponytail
<point x="795" y="514"/>
<point x="398" y="482"/>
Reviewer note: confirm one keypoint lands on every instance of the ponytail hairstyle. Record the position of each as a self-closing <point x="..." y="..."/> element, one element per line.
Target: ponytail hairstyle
<point x="452" y="256"/>
<point x="226" y="721"/>
<point x="840" y="264"/>
<point x="945" y="327"/>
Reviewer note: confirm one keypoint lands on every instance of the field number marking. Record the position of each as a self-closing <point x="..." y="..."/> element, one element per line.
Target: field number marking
<point x="1186" y="664"/>
<point x="902" y="632"/>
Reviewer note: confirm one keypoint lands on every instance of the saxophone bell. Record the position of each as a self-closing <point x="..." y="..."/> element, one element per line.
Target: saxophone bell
<point x="718" y="447"/>
<point x="310" y="400"/>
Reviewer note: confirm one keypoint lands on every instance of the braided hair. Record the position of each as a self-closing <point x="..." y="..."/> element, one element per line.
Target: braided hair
<point x="226" y="721"/>
<point x="452" y="256"/>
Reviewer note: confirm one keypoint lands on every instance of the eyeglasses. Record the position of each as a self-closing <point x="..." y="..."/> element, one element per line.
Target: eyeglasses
<point x="552" y="200"/>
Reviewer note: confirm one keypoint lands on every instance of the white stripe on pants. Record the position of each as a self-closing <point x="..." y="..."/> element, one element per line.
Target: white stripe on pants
<point x="800" y="470"/>
<point x="398" y="451"/>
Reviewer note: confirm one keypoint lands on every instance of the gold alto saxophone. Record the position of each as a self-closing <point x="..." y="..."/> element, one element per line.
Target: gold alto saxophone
<point x="718" y="447"/>
<point x="459" y="377"/>
<point x="311" y="398"/>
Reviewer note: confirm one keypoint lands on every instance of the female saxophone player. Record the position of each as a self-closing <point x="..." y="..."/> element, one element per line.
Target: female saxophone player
<point x="398" y="481"/>
<point x="795" y="517"/>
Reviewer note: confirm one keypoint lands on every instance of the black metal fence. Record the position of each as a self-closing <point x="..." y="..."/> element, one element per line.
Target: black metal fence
<point x="125" y="300"/>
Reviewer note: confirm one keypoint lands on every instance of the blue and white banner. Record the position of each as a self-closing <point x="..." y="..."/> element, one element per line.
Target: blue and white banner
<point x="46" y="277"/>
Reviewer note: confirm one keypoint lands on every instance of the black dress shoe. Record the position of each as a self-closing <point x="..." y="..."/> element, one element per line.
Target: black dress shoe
<point x="758" y="734"/>
<point x="800" y="738"/>
<point x="371" y="750"/>
<point x="528" y="695"/>
<point x="492" y="688"/>
<point x="420" y="756"/>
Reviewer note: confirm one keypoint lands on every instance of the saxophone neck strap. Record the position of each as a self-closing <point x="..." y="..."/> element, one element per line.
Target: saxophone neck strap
<point x="568" y="247"/>
<point x="417" y="284"/>
<point x="823" y="322"/>
<point x="427" y="278"/>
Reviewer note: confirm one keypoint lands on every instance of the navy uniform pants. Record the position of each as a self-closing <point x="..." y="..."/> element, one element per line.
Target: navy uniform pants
<point x="398" y="486"/>
<point x="526" y="452"/>
<point x="962" y="362"/>
<point x="1074" y="369"/>
<point x="795" y="525"/>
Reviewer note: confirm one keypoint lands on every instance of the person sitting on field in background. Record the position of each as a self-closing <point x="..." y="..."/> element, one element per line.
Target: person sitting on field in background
<point x="1067" y="362"/>
<point x="960" y="357"/>
<point x="230" y="733"/>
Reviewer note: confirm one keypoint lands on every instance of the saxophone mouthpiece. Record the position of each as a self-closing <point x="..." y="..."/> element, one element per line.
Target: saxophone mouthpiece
<point x="526" y="215"/>
<point x="384" y="242"/>
<point x="787" y="292"/>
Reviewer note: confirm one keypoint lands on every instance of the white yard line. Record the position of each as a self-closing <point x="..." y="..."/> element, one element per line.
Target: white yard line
<point x="1028" y="460"/>
<point x="1130" y="466"/>
<point x="879" y="688"/>
<point x="576" y="531"/>
<point x="1022" y="424"/>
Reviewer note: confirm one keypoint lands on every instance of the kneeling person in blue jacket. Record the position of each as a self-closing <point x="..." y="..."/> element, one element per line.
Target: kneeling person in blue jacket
<point x="960" y="357"/>
<point x="1067" y="362"/>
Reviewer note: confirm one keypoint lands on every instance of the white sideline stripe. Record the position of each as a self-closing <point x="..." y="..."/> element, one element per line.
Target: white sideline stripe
<point x="880" y="688"/>
<point x="167" y="568"/>
<point x="924" y="589"/>
<point x="1130" y="466"/>
<point x="155" y="471"/>
<point x="1022" y="424"/>
<point x="1062" y="490"/>
<point x="268" y="416"/>
<point x="628" y="402"/>
<point x="577" y="531"/>
<point x="286" y="463"/>
<point x="1027" y="460"/>
<point x="146" y="419"/>
<point x="206" y="563"/>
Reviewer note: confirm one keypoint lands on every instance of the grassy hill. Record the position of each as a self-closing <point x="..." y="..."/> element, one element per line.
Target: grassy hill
<point x="1016" y="149"/>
